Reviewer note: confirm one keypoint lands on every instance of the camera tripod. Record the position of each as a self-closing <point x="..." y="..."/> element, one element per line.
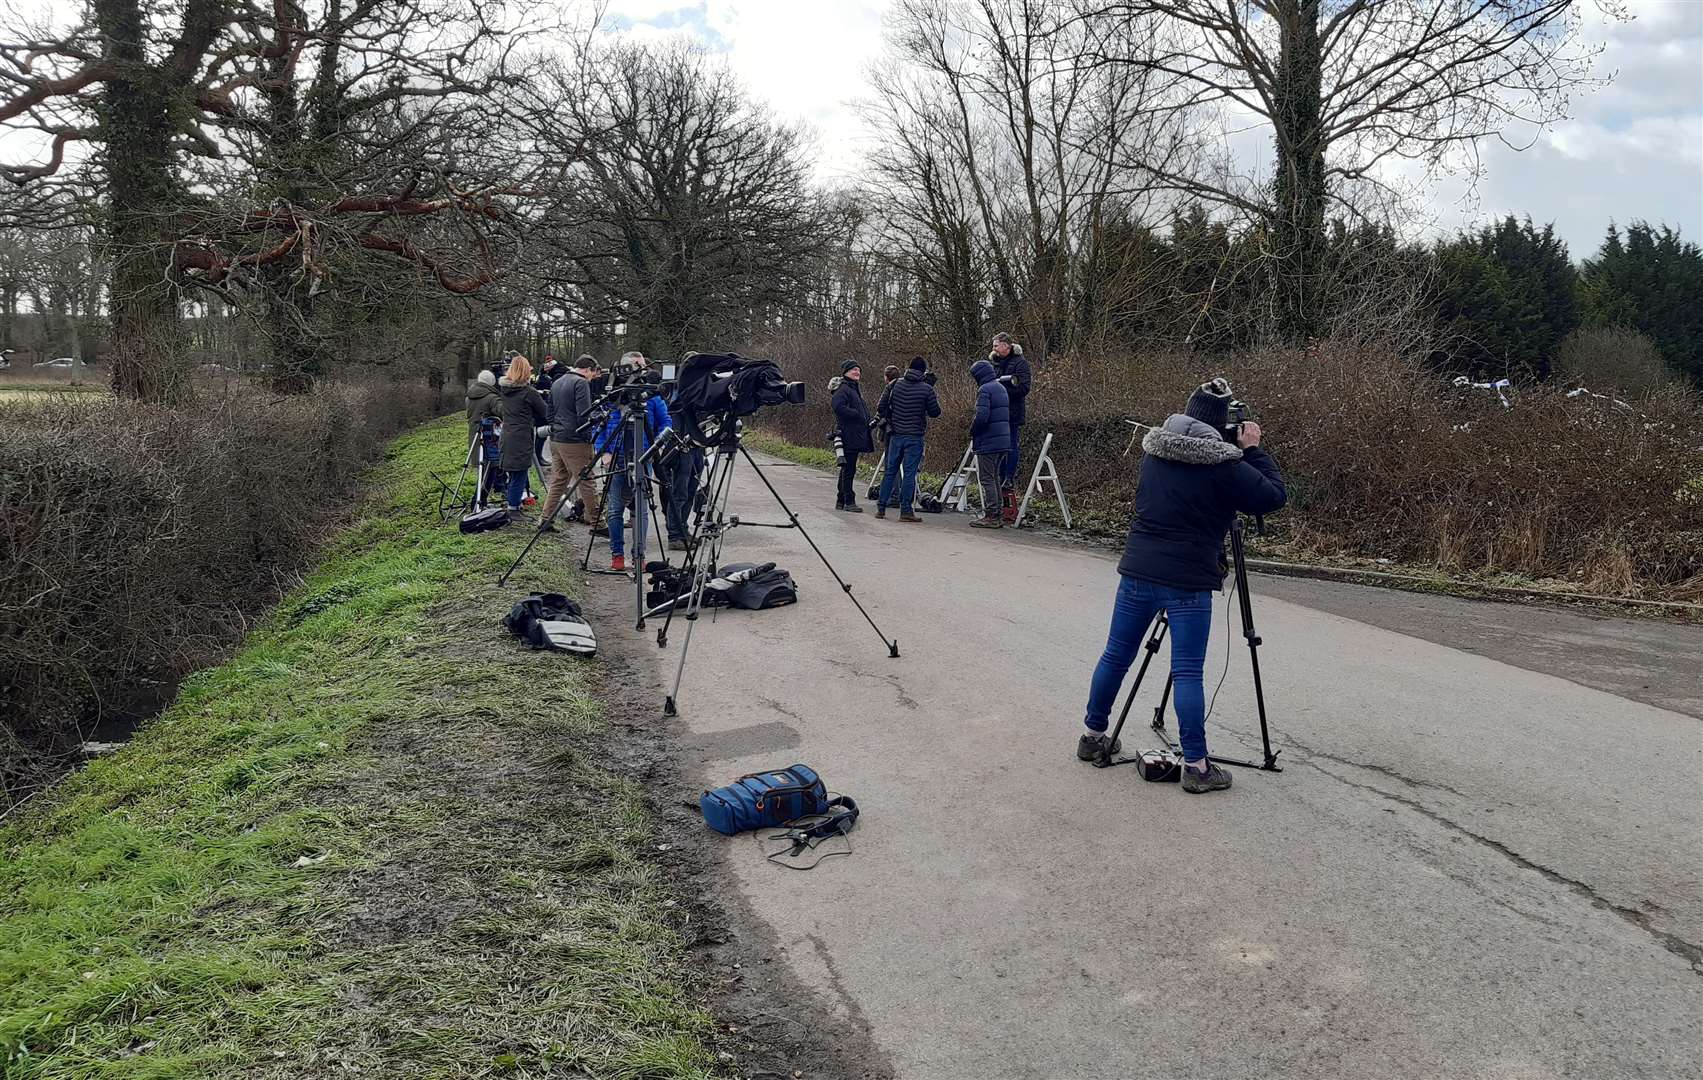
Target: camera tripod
<point x="703" y="549"/>
<point x="1160" y="625"/>
<point x="450" y="500"/>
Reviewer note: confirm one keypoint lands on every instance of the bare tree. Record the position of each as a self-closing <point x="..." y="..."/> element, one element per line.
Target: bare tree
<point x="1348" y="86"/>
<point x="685" y="214"/>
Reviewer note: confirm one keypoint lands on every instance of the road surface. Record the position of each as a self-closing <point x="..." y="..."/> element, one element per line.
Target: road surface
<point x="1483" y="858"/>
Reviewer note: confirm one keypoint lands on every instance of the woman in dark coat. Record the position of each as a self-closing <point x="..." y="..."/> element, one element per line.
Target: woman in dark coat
<point x="1194" y="482"/>
<point x="523" y="411"/>
<point x="852" y="417"/>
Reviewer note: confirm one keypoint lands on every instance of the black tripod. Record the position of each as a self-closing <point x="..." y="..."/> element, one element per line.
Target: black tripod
<point x="703" y="549"/>
<point x="1160" y="625"/>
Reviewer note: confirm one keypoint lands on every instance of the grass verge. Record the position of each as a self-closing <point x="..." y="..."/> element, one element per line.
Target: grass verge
<point x="381" y="840"/>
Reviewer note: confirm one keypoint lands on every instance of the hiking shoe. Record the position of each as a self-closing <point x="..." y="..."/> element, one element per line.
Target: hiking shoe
<point x="987" y="523"/>
<point x="676" y="544"/>
<point x="618" y="562"/>
<point x="1090" y="747"/>
<point x="852" y="508"/>
<point x="1213" y="779"/>
<point x="880" y="511"/>
<point x="909" y="517"/>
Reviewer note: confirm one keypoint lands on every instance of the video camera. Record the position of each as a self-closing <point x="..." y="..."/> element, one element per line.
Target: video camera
<point x="718" y="389"/>
<point x="1239" y="413"/>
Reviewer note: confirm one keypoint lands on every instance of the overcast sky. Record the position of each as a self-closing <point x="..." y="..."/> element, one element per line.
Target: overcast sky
<point x="1631" y="150"/>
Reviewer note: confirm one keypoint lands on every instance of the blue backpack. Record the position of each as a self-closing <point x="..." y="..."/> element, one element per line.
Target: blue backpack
<point x="765" y="799"/>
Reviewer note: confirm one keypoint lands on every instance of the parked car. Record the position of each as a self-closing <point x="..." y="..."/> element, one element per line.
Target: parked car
<point x="58" y="362"/>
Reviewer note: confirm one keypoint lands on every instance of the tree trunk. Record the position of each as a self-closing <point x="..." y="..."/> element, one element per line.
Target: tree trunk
<point x="1298" y="205"/>
<point x="137" y="130"/>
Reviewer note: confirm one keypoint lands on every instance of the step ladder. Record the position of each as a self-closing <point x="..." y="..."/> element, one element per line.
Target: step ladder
<point x="1045" y="473"/>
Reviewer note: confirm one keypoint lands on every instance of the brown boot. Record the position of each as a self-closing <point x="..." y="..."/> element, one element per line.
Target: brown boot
<point x="909" y="517"/>
<point x="991" y="521"/>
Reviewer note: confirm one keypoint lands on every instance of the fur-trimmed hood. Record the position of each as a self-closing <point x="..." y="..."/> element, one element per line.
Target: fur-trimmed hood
<point x="834" y="383"/>
<point x="1184" y="439"/>
<point x="995" y="359"/>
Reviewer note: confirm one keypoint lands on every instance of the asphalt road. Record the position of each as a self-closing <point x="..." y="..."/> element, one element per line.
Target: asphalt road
<point x="1484" y="856"/>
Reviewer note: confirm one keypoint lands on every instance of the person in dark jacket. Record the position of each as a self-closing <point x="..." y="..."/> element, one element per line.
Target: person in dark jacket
<point x="1007" y="359"/>
<point x="990" y="438"/>
<point x="523" y="412"/>
<point x="1193" y="483"/>
<point x="570" y="441"/>
<point x="907" y="407"/>
<point x="482" y="401"/>
<point x="851" y="416"/>
<point x="549" y="373"/>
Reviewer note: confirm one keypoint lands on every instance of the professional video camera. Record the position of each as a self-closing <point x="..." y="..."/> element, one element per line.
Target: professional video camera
<point x="717" y="389"/>
<point x="1239" y="413"/>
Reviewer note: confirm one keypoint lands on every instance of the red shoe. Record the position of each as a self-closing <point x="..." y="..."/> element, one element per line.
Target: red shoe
<point x="618" y="562"/>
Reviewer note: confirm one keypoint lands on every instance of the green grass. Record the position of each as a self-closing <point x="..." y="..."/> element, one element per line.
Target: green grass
<point x="375" y="842"/>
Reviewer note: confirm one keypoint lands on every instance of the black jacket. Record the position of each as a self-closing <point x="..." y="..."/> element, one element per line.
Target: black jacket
<point x="990" y="431"/>
<point x="570" y="404"/>
<point x="852" y="417"/>
<point x="1192" y="485"/>
<point x="522" y="410"/>
<point x="1014" y="369"/>
<point x="909" y="403"/>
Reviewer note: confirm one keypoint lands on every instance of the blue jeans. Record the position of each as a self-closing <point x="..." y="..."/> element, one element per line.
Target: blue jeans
<point x="517" y="487"/>
<point x="903" y="452"/>
<point x="1190" y="614"/>
<point x="1008" y="467"/>
<point x="617" y="507"/>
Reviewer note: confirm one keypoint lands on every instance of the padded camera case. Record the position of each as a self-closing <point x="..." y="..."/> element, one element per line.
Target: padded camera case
<point x="764" y="800"/>
<point x="485" y="521"/>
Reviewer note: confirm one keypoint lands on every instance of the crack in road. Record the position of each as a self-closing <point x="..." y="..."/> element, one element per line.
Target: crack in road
<point x="1690" y="952"/>
<point x="892" y="680"/>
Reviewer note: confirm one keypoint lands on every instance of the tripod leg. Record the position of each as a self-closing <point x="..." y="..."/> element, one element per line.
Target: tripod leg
<point x="1160" y="625"/>
<point x="1254" y="642"/>
<point x="712" y="494"/>
<point x="892" y="645"/>
<point x="706" y="552"/>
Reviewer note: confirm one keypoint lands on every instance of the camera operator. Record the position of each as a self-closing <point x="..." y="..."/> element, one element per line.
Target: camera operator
<point x="613" y="446"/>
<point x="990" y="439"/>
<point x="1193" y="482"/>
<point x="909" y="403"/>
<point x="570" y="442"/>
<point x="549" y="373"/>
<point x="851" y="415"/>
<point x="1007" y="359"/>
<point x="522" y="412"/>
<point x="482" y="401"/>
<point x="682" y="487"/>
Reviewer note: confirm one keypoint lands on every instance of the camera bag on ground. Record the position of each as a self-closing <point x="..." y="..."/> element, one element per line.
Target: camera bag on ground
<point x="754" y="587"/>
<point x="929" y="504"/>
<point x="764" y="800"/>
<point x="551" y="621"/>
<point x="485" y="521"/>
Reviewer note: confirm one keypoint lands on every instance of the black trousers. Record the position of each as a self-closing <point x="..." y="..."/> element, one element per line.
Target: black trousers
<point x="848" y="474"/>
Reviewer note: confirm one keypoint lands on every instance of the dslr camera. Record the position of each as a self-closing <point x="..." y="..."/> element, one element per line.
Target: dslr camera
<point x="1239" y="414"/>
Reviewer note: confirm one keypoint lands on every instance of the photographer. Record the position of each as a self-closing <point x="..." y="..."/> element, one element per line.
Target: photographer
<point x="522" y="410"/>
<point x="1193" y="483"/>
<point x="851" y="415"/>
<point x="990" y="438"/>
<point x="1013" y="370"/>
<point x="614" y="445"/>
<point x="907" y="407"/>
<point x="548" y="374"/>
<point x="570" y="442"/>
<point x="482" y="401"/>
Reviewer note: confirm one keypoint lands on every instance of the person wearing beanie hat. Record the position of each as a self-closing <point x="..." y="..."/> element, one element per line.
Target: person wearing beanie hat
<point x="1008" y="362"/>
<point x="990" y="438"/>
<point x="1210" y="404"/>
<point x="1193" y="483"/>
<point x="851" y="418"/>
<point x="906" y="407"/>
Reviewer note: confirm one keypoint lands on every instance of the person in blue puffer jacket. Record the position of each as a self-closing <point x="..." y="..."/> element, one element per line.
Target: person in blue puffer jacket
<point x="1193" y="483"/>
<point x="990" y="438"/>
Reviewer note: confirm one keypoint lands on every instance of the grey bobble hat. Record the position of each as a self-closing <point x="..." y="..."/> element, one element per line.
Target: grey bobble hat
<point x="1210" y="403"/>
